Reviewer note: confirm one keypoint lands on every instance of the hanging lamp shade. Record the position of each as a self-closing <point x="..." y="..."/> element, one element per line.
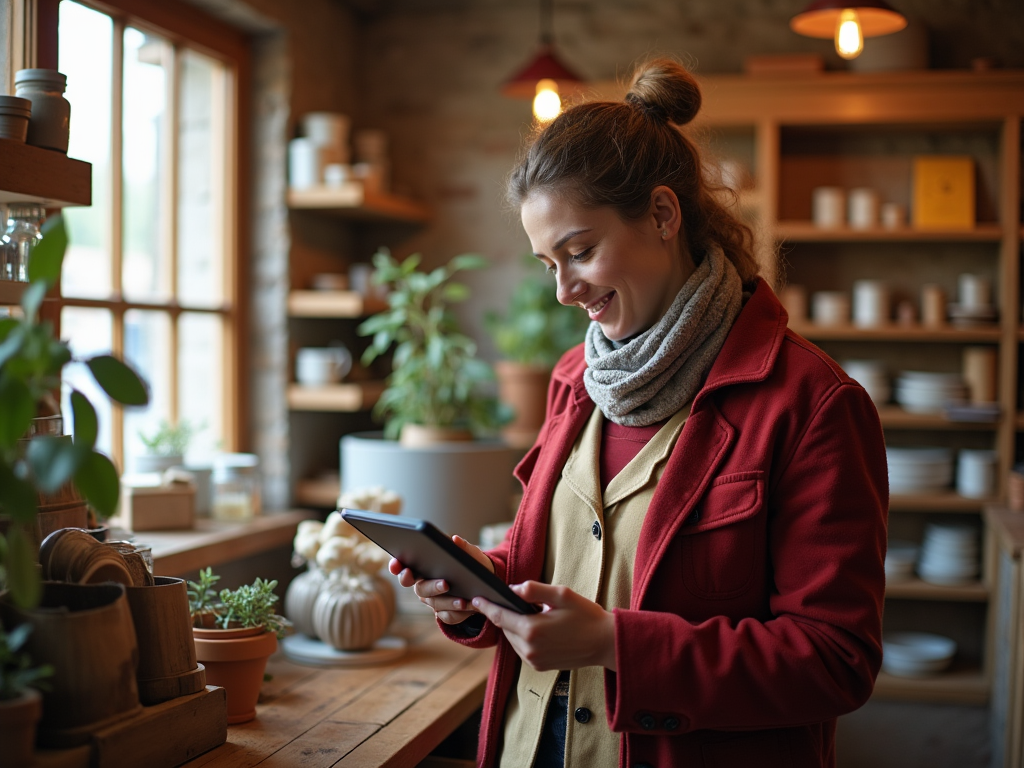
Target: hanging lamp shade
<point x="543" y="66"/>
<point x="819" y="19"/>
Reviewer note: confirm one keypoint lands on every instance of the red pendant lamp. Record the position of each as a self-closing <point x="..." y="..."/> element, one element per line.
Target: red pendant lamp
<point x="545" y="78"/>
<point x="848" y="22"/>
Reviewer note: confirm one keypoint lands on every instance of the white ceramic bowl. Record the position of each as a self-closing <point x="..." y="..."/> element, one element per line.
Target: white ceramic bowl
<point x="915" y="654"/>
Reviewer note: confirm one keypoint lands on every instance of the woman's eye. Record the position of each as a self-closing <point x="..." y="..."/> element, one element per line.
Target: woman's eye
<point x="582" y="255"/>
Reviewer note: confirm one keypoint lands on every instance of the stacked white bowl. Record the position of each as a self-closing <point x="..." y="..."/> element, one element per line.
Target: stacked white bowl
<point x="916" y="654"/>
<point x="925" y="392"/>
<point x="871" y="375"/>
<point x="949" y="554"/>
<point x="900" y="557"/>
<point x="919" y="470"/>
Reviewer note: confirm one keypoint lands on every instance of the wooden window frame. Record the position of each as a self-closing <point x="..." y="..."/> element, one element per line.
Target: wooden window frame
<point x="182" y="26"/>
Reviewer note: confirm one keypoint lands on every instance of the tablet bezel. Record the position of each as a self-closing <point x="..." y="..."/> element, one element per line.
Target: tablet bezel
<point x="421" y="546"/>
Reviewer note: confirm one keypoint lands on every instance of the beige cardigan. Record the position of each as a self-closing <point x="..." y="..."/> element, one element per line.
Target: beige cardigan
<point x="600" y="568"/>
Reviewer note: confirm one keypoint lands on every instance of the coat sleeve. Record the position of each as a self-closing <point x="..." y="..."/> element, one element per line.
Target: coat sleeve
<point x="817" y="653"/>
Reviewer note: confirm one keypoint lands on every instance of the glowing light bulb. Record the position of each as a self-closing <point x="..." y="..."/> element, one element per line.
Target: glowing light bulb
<point x="546" y="104"/>
<point x="849" y="35"/>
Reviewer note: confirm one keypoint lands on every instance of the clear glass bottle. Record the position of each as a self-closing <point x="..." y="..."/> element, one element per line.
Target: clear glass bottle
<point x="236" y="486"/>
<point x="21" y="236"/>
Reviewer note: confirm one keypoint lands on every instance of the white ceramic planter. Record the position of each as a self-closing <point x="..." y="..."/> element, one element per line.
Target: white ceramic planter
<point x="459" y="487"/>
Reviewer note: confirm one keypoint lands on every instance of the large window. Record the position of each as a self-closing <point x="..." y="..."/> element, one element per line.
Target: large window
<point x="151" y="272"/>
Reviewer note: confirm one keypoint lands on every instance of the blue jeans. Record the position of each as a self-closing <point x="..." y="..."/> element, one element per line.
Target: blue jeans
<point x="551" y="752"/>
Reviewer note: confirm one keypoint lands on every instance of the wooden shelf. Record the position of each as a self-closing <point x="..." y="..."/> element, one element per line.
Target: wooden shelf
<point x="806" y="232"/>
<point x="11" y="291"/>
<point x="319" y="493"/>
<point x="1019" y="421"/>
<point x="894" y="417"/>
<point x="916" y="589"/>
<point x="965" y="685"/>
<point x="336" y="397"/>
<point x="986" y="333"/>
<point x="36" y="175"/>
<point x="352" y="201"/>
<point x="946" y="501"/>
<point x="332" y="304"/>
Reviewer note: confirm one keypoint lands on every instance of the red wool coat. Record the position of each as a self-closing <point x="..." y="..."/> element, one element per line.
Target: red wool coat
<point x="755" y="617"/>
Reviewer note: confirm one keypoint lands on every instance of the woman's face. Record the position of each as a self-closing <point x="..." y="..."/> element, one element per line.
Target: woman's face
<point x="625" y="274"/>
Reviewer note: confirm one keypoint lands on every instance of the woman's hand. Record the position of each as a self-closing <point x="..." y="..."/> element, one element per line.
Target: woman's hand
<point x="432" y="592"/>
<point x="570" y="633"/>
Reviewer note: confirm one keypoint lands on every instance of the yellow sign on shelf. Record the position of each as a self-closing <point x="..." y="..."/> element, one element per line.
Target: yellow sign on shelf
<point x="944" y="195"/>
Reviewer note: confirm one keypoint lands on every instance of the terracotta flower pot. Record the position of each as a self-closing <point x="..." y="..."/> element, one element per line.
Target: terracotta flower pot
<point x="18" y="718"/>
<point x="525" y="389"/>
<point x="236" y="659"/>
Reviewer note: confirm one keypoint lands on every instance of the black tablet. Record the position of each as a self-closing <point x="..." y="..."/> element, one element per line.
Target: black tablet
<point x="430" y="554"/>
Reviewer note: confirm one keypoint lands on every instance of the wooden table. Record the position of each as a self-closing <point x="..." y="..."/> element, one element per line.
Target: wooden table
<point x="390" y="715"/>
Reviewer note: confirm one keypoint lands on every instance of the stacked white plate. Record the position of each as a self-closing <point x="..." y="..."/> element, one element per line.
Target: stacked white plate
<point x="919" y="470"/>
<point x="916" y="654"/>
<point x="965" y="316"/>
<point x="900" y="557"/>
<point x="871" y="375"/>
<point x="949" y="554"/>
<point x="925" y="392"/>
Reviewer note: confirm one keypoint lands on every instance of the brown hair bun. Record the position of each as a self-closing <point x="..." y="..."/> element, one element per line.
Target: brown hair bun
<point x="664" y="88"/>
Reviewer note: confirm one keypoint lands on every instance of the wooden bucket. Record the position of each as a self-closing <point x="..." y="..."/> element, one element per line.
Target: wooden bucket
<point x="167" y="651"/>
<point x="85" y="631"/>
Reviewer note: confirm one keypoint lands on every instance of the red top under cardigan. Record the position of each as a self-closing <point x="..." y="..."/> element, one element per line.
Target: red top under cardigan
<point x="758" y="585"/>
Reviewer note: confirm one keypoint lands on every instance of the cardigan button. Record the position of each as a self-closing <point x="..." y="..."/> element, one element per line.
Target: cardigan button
<point x="596" y="530"/>
<point x="671" y="723"/>
<point x="647" y="722"/>
<point x="582" y="715"/>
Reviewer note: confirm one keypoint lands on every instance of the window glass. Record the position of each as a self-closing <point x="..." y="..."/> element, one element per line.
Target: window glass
<point x="85" y="56"/>
<point x="200" y="371"/>
<point x="88" y="332"/>
<point x="147" y="340"/>
<point x="200" y="182"/>
<point x="145" y="267"/>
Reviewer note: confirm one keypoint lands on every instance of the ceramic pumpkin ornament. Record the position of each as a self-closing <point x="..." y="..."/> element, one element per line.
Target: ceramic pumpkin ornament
<point x="353" y="610"/>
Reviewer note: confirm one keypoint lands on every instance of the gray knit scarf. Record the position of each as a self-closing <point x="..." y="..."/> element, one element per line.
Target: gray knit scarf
<point x="654" y="374"/>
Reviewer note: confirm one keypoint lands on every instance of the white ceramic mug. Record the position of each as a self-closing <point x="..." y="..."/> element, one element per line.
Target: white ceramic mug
<point x="828" y="207"/>
<point x="831" y="308"/>
<point x="870" y="303"/>
<point x="976" y="474"/>
<point x="863" y="211"/>
<point x="319" y="366"/>
<point x="894" y="215"/>
<point x="974" y="291"/>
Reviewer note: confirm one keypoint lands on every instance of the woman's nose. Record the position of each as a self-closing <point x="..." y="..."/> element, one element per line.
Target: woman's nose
<point x="569" y="289"/>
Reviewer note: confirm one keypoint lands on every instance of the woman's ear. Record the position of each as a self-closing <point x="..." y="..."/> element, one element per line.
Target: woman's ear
<point x="665" y="215"/>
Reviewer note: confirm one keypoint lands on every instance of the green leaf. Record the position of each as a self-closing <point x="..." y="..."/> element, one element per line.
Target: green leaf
<point x="48" y="254"/>
<point x="468" y="261"/>
<point x="23" y="580"/>
<point x="53" y="461"/>
<point x="32" y="299"/>
<point x="97" y="479"/>
<point x="17" y="411"/>
<point x="18" y="497"/>
<point x="455" y="292"/>
<point x="118" y="380"/>
<point x="12" y="343"/>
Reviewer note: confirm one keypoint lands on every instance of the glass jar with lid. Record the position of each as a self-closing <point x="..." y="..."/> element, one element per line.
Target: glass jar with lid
<point x="20" y="238"/>
<point x="236" y="486"/>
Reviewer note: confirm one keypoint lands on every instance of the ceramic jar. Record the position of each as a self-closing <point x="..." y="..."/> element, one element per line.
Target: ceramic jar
<point x="51" y="113"/>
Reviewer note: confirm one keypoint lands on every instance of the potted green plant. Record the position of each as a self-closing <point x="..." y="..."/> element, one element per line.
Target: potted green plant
<point x="20" y="702"/>
<point x="236" y="631"/>
<point x="535" y="331"/>
<point x="165" y="447"/>
<point x="437" y="391"/>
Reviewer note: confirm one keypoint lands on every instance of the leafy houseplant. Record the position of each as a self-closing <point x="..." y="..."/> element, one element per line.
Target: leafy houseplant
<point x="166" y="446"/>
<point x="531" y="336"/>
<point x="30" y="364"/>
<point x="20" y="704"/>
<point x="245" y="634"/>
<point x="436" y="378"/>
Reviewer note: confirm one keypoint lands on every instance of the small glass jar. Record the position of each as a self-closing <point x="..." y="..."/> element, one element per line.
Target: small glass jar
<point x="20" y="238"/>
<point x="236" y="487"/>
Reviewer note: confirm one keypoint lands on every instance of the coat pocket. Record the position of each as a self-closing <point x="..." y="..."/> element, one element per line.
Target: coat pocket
<point x="723" y="541"/>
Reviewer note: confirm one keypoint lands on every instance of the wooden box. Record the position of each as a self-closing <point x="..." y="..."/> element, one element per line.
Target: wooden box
<point x="944" y="196"/>
<point x="158" y="508"/>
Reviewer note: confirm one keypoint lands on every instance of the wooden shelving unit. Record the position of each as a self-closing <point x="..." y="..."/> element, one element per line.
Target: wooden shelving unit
<point x="967" y="685"/>
<point x="806" y="232"/>
<point x="352" y="201"/>
<point x="347" y="398"/>
<point x="11" y="292"/>
<point x="946" y="501"/>
<point x="895" y="417"/>
<point x="321" y="493"/>
<point x="36" y="175"/>
<point x="333" y="304"/>
<point x="916" y="589"/>
<point x="981" y="334"/>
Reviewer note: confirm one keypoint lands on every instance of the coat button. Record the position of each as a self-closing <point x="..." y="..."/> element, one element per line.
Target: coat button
<point x="582" y="715"/>
<point x="647" y="722"/>
<point x="671" y="723"/>
<point x="596" y="530"/>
